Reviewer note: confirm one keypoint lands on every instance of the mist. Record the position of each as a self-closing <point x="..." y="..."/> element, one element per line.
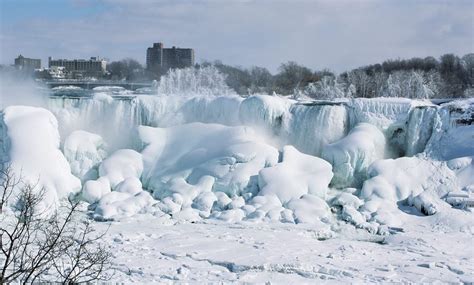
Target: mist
<point x="17" y="89"/>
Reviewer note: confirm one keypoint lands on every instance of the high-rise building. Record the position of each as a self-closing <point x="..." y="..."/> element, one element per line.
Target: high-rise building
<point x="22" y="62"/>
<point x="94" y="65"/>
<point x="160" y="59"/>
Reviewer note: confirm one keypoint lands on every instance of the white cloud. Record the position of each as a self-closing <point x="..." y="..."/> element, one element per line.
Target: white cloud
<point x="334" y="34"/>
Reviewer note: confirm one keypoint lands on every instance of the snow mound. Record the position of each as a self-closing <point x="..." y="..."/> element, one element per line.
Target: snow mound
<point x="309" y="209"/>
<point x="298" y="174"/>
<point x="352" y="155"/>
<point x="84" y="151"/>
<point x="118" y="192"/>
<point x="453" y="131"/>
<point x="418" y="181"/>
<point x="464" y="169"/>
<point x="117" y="205"/>
<point x="122" y="164"/>
<point x="30" y="143"/>
<point x="93" y="190"/>
<point x="232" y="155"/>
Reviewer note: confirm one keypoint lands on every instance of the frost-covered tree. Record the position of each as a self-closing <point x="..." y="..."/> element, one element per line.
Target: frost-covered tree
<point x="205" y="80"/>
<point x="326" y="88"/>
<point x="45" y="248"/>
<point x="409" y="84"/>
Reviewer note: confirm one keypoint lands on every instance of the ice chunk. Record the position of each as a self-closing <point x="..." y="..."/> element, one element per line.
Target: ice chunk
<point x="352" y="155"/>
<point x="84" y="151"/>
<point x="296" y="175"/>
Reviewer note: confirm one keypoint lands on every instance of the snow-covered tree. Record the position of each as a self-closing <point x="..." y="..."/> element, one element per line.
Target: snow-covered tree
<point x="326" y="88"/>
<point x="194" y="81"/>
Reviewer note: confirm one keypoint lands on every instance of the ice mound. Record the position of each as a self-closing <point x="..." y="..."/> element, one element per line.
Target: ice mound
<point x="352" y="155"/>
<point x="122" y="164"/>
<point x="118" y="173"/>
<point x="418" y="181"/>
<point x="117" y="205"/>
<point x="93" y="190"/>
<point x="84" y="151"/>
<point x="30" y="142"/>
<point x="453" y="134"/>
<point x="298" y="174"/>
<point x="118" y="192"/>
<point x="464" y="169"/>
<point x="232" y="155"/>
<point x="309" y="209"/>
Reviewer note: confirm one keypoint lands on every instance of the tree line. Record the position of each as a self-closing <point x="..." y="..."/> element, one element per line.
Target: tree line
<point x="450" y="76"/>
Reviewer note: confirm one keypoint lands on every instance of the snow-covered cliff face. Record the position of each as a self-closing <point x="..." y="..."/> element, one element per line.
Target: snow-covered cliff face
<point x="407" y="124"/>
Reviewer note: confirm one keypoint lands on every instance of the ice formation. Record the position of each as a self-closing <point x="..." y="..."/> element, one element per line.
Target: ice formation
<point x="298" y="174"/>
<point x="262" y="158"/>
<point x="29" y="142"/>
<point x="84" y="152"/>
<point x="419" y="181"/>
<point x="352" y="155"/>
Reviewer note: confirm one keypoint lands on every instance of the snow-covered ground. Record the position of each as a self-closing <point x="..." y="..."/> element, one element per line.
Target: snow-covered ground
<point x="431" y="249"/>
<point x="263" y="188"/>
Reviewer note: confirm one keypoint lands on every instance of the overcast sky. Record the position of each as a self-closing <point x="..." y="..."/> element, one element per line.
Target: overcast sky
<point x="336" y="34"/>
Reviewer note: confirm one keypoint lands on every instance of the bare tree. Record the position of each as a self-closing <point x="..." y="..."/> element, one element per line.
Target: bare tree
<point x="39" y="246"/>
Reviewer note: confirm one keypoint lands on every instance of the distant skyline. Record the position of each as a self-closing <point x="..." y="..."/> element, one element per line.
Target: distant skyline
<point x="338" y="35"/>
